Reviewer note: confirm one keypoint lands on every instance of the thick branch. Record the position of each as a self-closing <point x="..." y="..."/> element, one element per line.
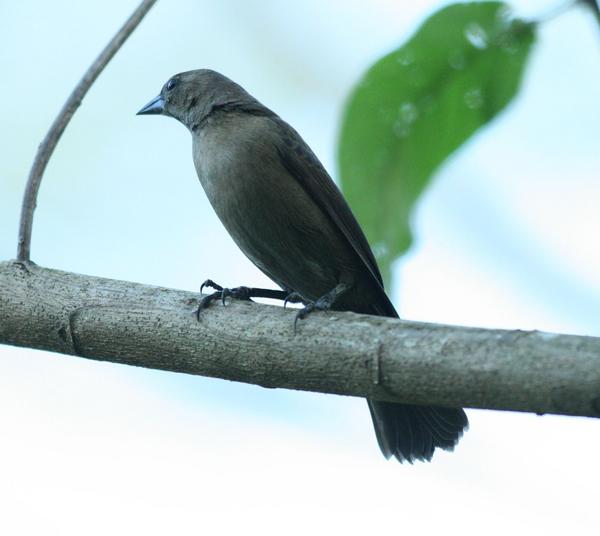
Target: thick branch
<point x="57" y="128"/>
<point x="334" y="352"/>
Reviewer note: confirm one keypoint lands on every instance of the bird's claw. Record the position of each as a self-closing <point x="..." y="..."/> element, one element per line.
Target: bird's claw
<point x="221" y="293"/>
<point x="292" y="297"/>
<point x="205" y="301"/>
<point x="303" y="313"/>
<point x="210" y="284"/>
<point x="322" y="304"/>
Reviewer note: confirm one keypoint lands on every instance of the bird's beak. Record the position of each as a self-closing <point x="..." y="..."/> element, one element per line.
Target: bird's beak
<point x="155" y="107"/>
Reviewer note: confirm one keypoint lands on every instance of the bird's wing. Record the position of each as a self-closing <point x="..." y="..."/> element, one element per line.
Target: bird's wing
<point x="305" y="167"/>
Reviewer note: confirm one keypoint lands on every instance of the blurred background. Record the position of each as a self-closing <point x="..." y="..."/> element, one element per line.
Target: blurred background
<point x="506" y="237"/>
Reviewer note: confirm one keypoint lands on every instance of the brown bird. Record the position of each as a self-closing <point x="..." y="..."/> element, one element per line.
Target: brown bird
<point x="286" y="214"/>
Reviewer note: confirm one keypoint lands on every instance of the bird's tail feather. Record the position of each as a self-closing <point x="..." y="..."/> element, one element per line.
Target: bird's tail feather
<point x="412" y="433"/>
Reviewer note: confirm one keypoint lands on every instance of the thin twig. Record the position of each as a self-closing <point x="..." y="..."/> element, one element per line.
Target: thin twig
<point x="49" y="143"/>
<point x="594" y="6"/>
<point x="556" y="11"/>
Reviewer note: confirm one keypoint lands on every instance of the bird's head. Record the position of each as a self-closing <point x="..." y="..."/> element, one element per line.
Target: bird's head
<point x="191" y="96"/>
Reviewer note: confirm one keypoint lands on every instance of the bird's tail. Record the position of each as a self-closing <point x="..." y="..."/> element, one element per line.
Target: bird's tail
<point x="412" y="433"/>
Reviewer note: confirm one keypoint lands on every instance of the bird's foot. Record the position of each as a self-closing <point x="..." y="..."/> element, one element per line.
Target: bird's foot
<point x="241" y="293"/>
<point x="221" y="293"/>
<point x="324" y="303"/>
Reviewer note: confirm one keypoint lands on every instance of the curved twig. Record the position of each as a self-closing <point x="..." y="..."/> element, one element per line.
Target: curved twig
<point x="593" y="6"/>
<point x="556" y="11"/>
<point x="49" y="143"/>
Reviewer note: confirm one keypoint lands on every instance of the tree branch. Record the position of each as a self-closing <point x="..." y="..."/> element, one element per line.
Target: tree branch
<point x="57" y="128"/>
<point x="335" y="352"/>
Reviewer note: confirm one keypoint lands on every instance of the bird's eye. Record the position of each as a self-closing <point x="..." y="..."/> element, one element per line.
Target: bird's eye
<point x="171" y="84"/>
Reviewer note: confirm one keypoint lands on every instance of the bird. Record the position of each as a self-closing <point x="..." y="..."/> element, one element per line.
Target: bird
<point x="287" y="215"/>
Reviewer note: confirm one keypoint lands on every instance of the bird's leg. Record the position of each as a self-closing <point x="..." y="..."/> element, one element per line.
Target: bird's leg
<point x="241" y="293"/>
<point x="324" y="303"/>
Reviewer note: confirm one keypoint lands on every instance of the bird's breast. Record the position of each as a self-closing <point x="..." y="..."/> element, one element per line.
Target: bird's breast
<point x="270" y="216"/>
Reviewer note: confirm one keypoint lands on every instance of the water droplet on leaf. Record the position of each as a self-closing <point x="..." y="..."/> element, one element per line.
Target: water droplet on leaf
<point x="476" y="35"/>
<point x="408" y="112"/>
<point x="457" y="60"/>
<point x="508" y="43"/>
<point x="380" y="250"/>
<point x="401" y="129"/>
<point x="407" y="115"/>
<point x="405" y="58"/>
<point x="504" y="15"/>
<point x="473" y="98"/>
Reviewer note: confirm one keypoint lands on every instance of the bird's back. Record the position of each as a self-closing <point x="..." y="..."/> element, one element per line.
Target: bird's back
<point x="289" y="218"/>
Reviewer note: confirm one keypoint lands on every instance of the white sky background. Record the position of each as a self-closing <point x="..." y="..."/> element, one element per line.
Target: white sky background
<point x="505" y="238"/>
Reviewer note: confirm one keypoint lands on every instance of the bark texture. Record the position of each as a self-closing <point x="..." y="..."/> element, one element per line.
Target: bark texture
<point x="334" y="352"/>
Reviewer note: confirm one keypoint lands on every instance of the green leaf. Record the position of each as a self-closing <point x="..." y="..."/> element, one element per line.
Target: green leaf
<point x="417" y="105"/>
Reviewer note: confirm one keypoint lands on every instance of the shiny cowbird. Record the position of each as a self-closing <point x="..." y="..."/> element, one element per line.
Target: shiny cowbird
<point x="289" y="218"/>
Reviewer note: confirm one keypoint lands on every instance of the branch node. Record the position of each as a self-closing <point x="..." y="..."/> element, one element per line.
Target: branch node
<point x="75" y="343"/>
<point x="376" y="365"/>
